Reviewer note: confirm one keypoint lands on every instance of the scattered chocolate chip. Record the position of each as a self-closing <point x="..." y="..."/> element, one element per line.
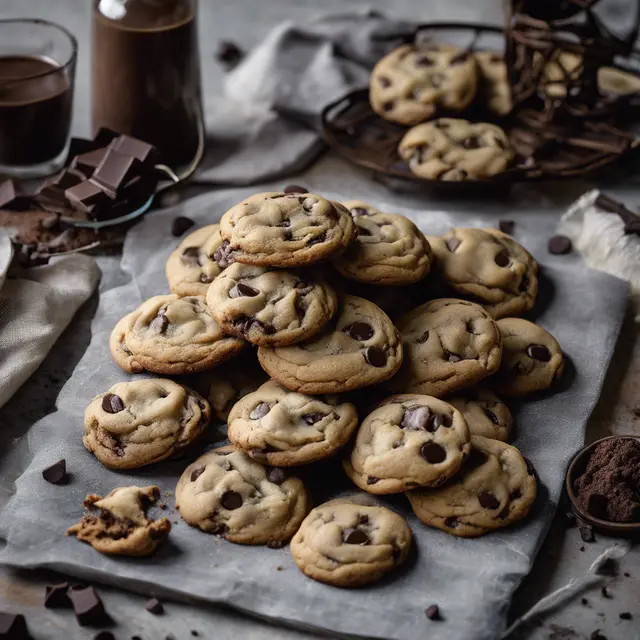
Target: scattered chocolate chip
<point x="243" y="290"/>
<point x="586" y="534"/>
<point x="196" y="473"/>
<point x="488" y="501"/>
<point x="355" y="536"/>
<point x="154" y="606"/>
<point x="229" y="54"/>
<point x="372" y="479"/>
<point x="56" y="596"/>
<point x="260" y="411"/>
<point x="452" y="244"/>
<point x="112" y="403"/>
<point x="375" y="357"/>
<point x="359" y="331"/>
<point x="605" y="593"/>
<point x="415" y="418"/>
<point x="626" y="615"/>
<point x="559" y="245"/>
<point x="584" y="602"/>
<point x="56" y="473"/>
<point x="539" y="352"/>
<point x="13" y="626"/>
<point x="294" y="188"/>
<point x="276" y="475"/>
<point x="312" y="418"/>
<point x="87" y="606"/>
<point x="432" y="612"/>
<point x="502" y="259"/>
<point x="432" y="452"/>
<point x="231" y="500"/>
<point x="180" y="225"/>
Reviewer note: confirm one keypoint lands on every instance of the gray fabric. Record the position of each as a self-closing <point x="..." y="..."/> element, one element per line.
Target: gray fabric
<point x="471" y="580"/>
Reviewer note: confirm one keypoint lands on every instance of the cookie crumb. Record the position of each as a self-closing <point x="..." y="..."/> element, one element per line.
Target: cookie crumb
<point x="506" y="226"/>
<point x="584" y="602"/>
<point x="586" y="533"/>
<point x="582" y="548"/>
<point x="154" y="606"/>
<point x="596" y="635"/>
<point x="559" y="245"/>
<point x="278" y="568"/>
<point x="194" y="633"/>
<point x="229" y="54"/>
<point x="627" y="574"/>
<point x="433" y="612"/>
<point x="605" y="593"/>
<point x="626" y="615"/>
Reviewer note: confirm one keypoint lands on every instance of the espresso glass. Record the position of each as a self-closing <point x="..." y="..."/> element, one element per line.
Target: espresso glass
<point x="37" y="73"/>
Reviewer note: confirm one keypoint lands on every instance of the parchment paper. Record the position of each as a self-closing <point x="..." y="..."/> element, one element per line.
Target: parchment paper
<point x="471" y="580"/>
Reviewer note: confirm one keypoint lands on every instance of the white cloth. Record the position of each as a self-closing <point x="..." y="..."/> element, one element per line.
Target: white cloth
<point x="599" y="236"/>
<point x="34" y="310"/>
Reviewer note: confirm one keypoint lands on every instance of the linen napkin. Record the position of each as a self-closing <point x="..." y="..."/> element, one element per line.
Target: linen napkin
<point x="35" y="308"/>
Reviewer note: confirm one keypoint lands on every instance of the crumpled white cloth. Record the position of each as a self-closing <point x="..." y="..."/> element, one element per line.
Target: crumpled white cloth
<point x="599" y="236"/>
<point x="34" y="310"/>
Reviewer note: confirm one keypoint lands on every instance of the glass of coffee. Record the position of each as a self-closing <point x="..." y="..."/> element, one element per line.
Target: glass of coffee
<point x="37" y="71"/>
<point x="146" y="74"/>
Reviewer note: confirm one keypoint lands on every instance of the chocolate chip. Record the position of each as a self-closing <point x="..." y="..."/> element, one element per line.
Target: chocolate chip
<point x="502" y="259"/>
<point x="359" y="331"/>
<point x="432" y="452"/>
<point x="191" y="255"/>
<point x="231" y="500"/>
<point x="626" y="615"/>
<point x="586" y="534"/>
<point x="359" y="211"/>
<point x="424" y="61"/>
<point x="312" y="418"/>
<point x="492" y="416"/>
<point x="154" y="606"/>
<point x="517" y="370"/>
<point x="488" y="500"/>
<point x="260" y="411"/>
<point x="355" y="536"/>
<point x="432" y="612"/>
<point x="13" y="626"/>
<point x="111" y="403"/>
<point x="56" y="473"/>
<point x="384" y="82"/>
<point x="476" y="459"/>
<point x="452" y="357"/>
<point x="415" y="418"/>
<point x="294" y="188"/>
<point x="423" y="338"/>
<point x="539" y="352"/>
<point x="205" y="279"/>
<point x="87" y="606"/>
<point x="104" y="635"/>
<point x="180" y="225"/>
<point x="229" y="53"/>
<point x="387" y="106"/>
<point x="363" y="232"/>
<point x="363" y="519"/>
<point x="597" y="505"/>
<point x="452" y="243"/>
<point x="160" y="323"/>
<point x="605" y="593"/>
<point x="276" y="475"/>
<point x="372" y="479"/>
<point x="223" y="255"/>
<point x="196" y="473"/>
<point x="459" y="58"/>
<point x="506" y="226"/>
<point x="56" y="596"/>
<point x="243" y="290"/>
<point x="472" y="142"/>
<point x="436" y="80"/>
<point x="375" y="357"/>
<point x="451" y="522"/>
<point x="438" y="420"/>
<point x="559" y="245"/>
<point x="317" y="240"/>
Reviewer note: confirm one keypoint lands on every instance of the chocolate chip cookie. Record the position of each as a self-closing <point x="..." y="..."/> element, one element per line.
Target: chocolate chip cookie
<point x="531" y="360"/>
<point x="494" y="84"/>
<point x="142" y="422"/>
<point x="455" y="150"/>
<point x="484" y="412"/>
<point x="191" y="268"/>
<point x="283" y="428"/>
<point x="226" y="493"/>
<point x="495" y="488"/>
<point x="449" y="344"/>
<point x="171" y="335"/>
<point x="285" y="230"/>
<point x="349" y="542"/>
<point x="389" y="250"/>
<point x="411" y="84"/>
<point x="490" y="267"/>
<point x="358" y="348"/>
<point x="122" y="527"/>
<point x="409" y="441"/>
<point x="267" y="306"/>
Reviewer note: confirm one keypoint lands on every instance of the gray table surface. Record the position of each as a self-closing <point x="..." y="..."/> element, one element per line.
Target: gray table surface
<point x="562" y="556"/>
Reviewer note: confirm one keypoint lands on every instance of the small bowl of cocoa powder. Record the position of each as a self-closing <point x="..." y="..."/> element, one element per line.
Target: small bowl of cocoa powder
<point x="603" y="485"/>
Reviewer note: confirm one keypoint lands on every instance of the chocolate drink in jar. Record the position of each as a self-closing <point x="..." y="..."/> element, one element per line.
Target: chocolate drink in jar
<point x="146" y="73"/>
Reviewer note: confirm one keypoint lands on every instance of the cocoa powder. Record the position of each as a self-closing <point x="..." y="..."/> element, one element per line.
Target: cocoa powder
<point x="609" y="488"/>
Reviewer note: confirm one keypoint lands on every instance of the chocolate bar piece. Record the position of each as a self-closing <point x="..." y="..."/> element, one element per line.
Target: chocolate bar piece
<point x="87" y="163"/>
<point x="11" y="200"/>
<point x="88" y="197"/>
<point x="115" y="170"/>
<point x="142" y="151"/>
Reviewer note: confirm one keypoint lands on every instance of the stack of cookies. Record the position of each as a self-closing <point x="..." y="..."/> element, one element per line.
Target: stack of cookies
<point x="273" y="315"/>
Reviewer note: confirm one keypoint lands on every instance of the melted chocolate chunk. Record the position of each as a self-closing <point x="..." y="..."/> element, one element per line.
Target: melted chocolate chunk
<point x="205" y="279"/>
<point x="317" y="240"/>
<point x="432" y="452"/>
<point x="472" y="142"/>
<point x="112" y="403"/>
<point x="476" y="459"/>
<point x="452" y="357"/>
<point x="539" y="352"/>
<point x="488" y="500"/>
<point x="451" y="522"/>
<point x="260" y="411"/>
<point x="492" y="416"/>
<point x="312" y="418"/>
<point x="424" y="61"/>
<point x="452" y="244"/>
<point x="294" y="188"/>
<point x="372" y="479"/>
<point x="359" y="331"/>
<point x="459" y="58"/>
<point x="276" y="475"/>
<point x="191" y="255"/>
<point x="243" y="290"/>
<point x="196" y="473"/>
<point x="439" y="420"/>
<point x="160" y="323"/>
<point x="416" y="418"/>
<point x="231" y="500"/>
<point x="423" y="338"/>
<point x="355" y="536"/>
<point x="359" y="211"/>
<point x="223" y="255"/>
<point x="387" y="106"/>
<point x="375" y="357"/>
<point x="502" y="259"/>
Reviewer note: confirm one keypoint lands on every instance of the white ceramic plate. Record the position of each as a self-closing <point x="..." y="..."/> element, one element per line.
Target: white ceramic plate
<point x="6" y="253"/>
